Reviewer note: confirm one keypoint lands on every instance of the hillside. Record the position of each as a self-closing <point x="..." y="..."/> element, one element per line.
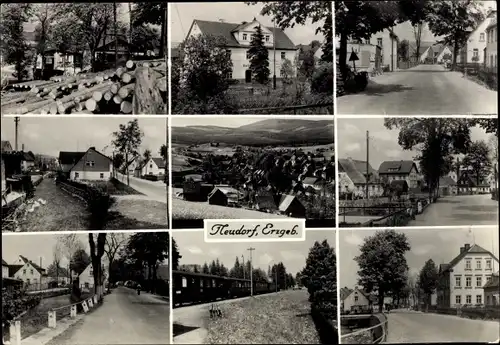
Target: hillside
<point x="265" y="132"/>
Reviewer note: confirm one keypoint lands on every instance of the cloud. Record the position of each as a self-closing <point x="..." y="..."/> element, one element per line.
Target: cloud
<point x="351" y="129"/>
<point x="354" y="239"/>
<point x="351" y="147"/>
<point x="265" y="259"/>
<point x="423" y="249"/>
<point x="394" y="153"/>
<point x="385" y="135"/>
<point x="289" y="255"/>
<point x="215" y="252"/>
<point x="194" y="250"/>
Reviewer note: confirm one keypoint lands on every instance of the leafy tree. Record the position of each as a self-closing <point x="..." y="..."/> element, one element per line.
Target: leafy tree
<point x="79" y="261"/>
<point x="176" y="256"/>
<point x="436" y="139"/>
<point x="259" y="57"/>
<point x="144" y="38"/>
<point x="127" y="140"/>
<point x="428" y="280"/>
<point x="205" y="269"/>
<point x="287" y="71"/>
<point x="14" y="47"/>
<point x="163" y="152"/>
<point x="319" y="276"/>
<point x="96" y="253"/>
<point x="146" y="156"/>
<point x="201" y="77"/>
<point x="152" y="13"/>
<point x="57" y="255"/>
<point x="322" y="79"/>
<point x="489" y="125"/>
<point x="452" y="20"/>
<point x="382" y="263"/>
<point x="307" y="66"/>
<point x="298" y="279"/>
<point x="118" y="160"/>
<point x="404" y="50"/>
<point x="114" y="242"/>
<point x="69" y="244"/>
<point x="478" y="159"/>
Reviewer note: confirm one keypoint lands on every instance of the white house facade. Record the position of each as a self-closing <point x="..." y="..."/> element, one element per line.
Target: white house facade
<point x="387" y="40"/>
<point x="491" y="44"/>
<point x="27" y="271"/>
<point x="154" y="166"/>
<point x="356" y="298"/>
<point x="463" y="279"/>
<point x="5" y="269"/>
<point x="400" y="170"/>
<point x="475" y="49"/>
<point x="93" y="166"/>
<point x="86" y="278"/>
<point x="238" y="38"/>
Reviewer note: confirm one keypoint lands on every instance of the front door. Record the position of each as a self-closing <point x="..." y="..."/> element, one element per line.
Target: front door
<point x="248" y="76"/>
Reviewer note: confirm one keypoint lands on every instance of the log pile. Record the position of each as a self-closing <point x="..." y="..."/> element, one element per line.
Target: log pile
<point x="140" y="87"/>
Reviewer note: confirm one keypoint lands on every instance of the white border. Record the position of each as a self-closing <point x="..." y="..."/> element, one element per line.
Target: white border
<point x="360" y="117"/>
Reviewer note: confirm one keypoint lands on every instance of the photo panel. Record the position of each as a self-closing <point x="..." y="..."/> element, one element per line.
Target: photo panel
<point x="252" y="168"/>
<point x="252" y="59"/>
<point x="417" y="171"/>
<point x="71" y="58"/>
<point x="241" y="293"/>
<point x="84" y="173"/>
<point x="421" y="285"/>
<point x="406" y="59"/>
<point x="86" y="288"/>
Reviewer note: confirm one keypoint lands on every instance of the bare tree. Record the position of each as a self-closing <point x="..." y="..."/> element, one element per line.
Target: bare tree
<point x="96" y="253"/>
<point x="417" y="33"/>
<point x="69" y="245"/>
<point x="56" y="258"/>
<point x="114" y="241"/>
<point x="413" y="288"/>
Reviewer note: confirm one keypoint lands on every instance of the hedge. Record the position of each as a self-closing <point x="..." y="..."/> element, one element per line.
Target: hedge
<point x="16" y="302"/>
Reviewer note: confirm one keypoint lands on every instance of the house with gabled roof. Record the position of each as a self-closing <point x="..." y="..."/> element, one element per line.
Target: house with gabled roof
<point x="27" y="161"/>
<point x="154" y="166"/>
<point x="461" y="280"/>
<point x="447" y="186"/>
<point x="5" y="269"/>
<point x="90" y="165"/>
<point x="223" y="196"/>
<point x="356" y="300"/>
<point x="400" y="170"/>
<point x="237" y="37"/>
<point x="492" y="291"/>
<point x="356" y="171"/>
<point x="467" y="183"/>
<point x="6" y="147"/>
<point x="27" y="271"/>
<point x="291" y="206"/>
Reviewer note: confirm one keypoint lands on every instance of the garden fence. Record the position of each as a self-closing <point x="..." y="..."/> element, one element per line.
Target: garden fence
<point x="295" y="108"/>
<point x="381" y="326"/>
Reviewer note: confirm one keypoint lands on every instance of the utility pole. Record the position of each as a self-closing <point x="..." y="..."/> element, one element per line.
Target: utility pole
<point x="251" y="271"/>
<point x="367" y="163"/>
<point x="274" y="53"/>
<point x="243" y="258"/>
<point x="130" y="30"/>
<point x="16" y="121"/>
<point x="116" y="35"/>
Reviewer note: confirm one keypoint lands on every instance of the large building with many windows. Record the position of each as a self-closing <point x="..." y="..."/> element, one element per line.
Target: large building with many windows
<point x="461" y="281"/>
<point x="238" y="38"/>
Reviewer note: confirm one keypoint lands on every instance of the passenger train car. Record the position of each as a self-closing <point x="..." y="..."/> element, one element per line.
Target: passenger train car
<point x="189" y="287"/>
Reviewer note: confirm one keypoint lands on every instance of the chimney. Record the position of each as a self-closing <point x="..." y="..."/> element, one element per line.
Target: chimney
<point x="22" y="147"/>
<point x="40" y="262"/>
<point x="467" y="246"/>
<point x="462" y="249"/>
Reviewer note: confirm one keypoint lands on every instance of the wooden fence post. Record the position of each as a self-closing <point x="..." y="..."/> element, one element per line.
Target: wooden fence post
<point x="15" y="333"/>
<point x="73" y="311"/>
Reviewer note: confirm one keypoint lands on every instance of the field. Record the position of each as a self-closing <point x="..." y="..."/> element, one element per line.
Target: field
<point x="137" y="213"/>
<point x="282" y="318"/>
<point x="37" y="318"/>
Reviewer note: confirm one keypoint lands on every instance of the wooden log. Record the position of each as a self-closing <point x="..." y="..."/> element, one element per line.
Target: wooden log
<point x="108" y="95"/>
<point x="127" y="78"/>
<point x="126" y="90"/>
<point x="97" y="95"/>
<point x="130" y="65"/>
<point x="147" y="98"/>
<point x="161" y="84"/>
<point x="14" y="101"/>
<point x="119" y="72"/>
<point x="126" y="107"/>
<point x="90" y="104"/>
<point x="114" y="88"/>
<point x="53" y="108"/>
<point x="117" y="99"/>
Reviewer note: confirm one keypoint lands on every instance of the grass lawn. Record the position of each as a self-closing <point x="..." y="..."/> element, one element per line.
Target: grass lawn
<point x="115" y="187"/>
<point x="282" y="318"/>
<point x="37" y="318"/>
<point x="128" y="214"/>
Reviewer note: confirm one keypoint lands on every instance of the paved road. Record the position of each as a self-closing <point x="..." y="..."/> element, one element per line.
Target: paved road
<point x="459" y="210"/>
<point x="421" y="90"/>
<point x="154" y="190"/>
<point x="62" y="212"/>
<point x="124" y="318"/>
<point x="415" y="327"/>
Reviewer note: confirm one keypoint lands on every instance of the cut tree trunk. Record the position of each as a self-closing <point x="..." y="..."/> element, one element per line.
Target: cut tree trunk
<point x="147" y="98"/>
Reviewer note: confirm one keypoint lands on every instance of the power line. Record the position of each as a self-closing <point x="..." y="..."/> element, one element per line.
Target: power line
<point x="180" y="20"/>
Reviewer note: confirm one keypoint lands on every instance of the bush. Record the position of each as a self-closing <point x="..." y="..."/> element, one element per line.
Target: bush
<point x="150" y="177"/>
<point x="16" y="302"/>
<point x="322" y="79"/>
<point x="98" y="203"/>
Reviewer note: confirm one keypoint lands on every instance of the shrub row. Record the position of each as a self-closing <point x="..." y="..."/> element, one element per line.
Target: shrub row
<point x="16" y="302"/>
<point x="486" y="313"/>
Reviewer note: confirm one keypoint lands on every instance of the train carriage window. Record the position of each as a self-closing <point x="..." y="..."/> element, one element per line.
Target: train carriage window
<point x="201" y="282"/>
<point x="213" y="283"/>
<point x="184" y="282"/>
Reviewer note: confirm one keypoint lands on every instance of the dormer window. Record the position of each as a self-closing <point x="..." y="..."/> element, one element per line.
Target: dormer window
<point x="245" y="37"/>
<point x="393" y="169"/>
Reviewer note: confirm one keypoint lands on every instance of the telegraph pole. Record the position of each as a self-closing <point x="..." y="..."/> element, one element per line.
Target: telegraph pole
<point x="274" y="53"/>
<point x="367" y="164"/>
<point x="251" y="269"/>
<point x="16" y="121"/>
<point x="243" y="258"/>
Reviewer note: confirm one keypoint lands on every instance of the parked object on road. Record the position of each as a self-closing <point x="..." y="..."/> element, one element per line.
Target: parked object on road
<point x="138" y="289"/>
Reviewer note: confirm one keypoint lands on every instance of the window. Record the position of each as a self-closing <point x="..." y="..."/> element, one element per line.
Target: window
<point x="184" y="282"/>
<point x="101" y="175"/>
<point x="248" y="56"/>
<point x="475" y="52"/>
<point x="488" y="261"/>
<point x="31" y="271"/>
<point x="356" y="298"/>
<point x="458" y="281"/>
<point x="283" y="55"/>
<point x="24" y="271"/>
<point x="468" y="264"/>
<point x="478" y="264"/>
<point x="91" y="273"/>
<point x="228" y="52"/>
<point x="488" y="278"/>
<point x="151" y="166"/>
<point x="479" y="299"/>
<point x="488" y="299"/>
<point x="481" y="37"/>
<point x="468" y="282"/>
<point x="77" y="175"/>
<point x="379" y="41"/>
<point x="245" y="36"/>
<point x="89" y="163"/>
<point x="468" y="299"/>
<point x="458" y="299"/>
<point x="266" y="38"/>
<point x="479" y="281"/>
<point x="230" y="75"/>
<point x="87" y="285"/>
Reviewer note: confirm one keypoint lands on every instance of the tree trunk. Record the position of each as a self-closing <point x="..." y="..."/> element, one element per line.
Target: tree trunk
<point x="163" y="33"/>
<point x="380" y="301"/>
<point x="126" y="163"/>
<point x="455" y="53"/>
<point x="343" y="55"/>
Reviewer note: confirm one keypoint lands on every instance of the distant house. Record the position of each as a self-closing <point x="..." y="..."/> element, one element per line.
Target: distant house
<point x="57" y="277"/>
<point x="356" y="170"/>
<point x="5" y="269"/>
<point x="399" y="186"/>
<point x="369" y="56"/>
<point x="492" y="291"/>
<point x="131" y="165"/>
<point x="154" y="166"/>
<point x="223" y="196"/>
<point x="433" y="53"/>
<point x="28" y="160"/>
<point x="491" y="45"/>
<point x="291" y="206"/>
<point x="345" y="184"/>
<point x="474" y="50"/>
<point x="461" y="281"/>
<point x="237" y="38"/>
<point x="467" y="184"/>
<point x="27" y="271"/>
<point x="265" y="202"/>
<point x="388" y="41"/>
<point x="313" y="184"/>
<point x="447" y="186"/>
<point x="400" y="170"/>
<point x="86" y="278"/>
<point x="89" y="166"/>
<point x="6" y="147"/>
<point x="356" y="301"/>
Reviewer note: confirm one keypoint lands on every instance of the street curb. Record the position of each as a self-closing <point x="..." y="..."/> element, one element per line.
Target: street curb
<point x="46" y="335"/>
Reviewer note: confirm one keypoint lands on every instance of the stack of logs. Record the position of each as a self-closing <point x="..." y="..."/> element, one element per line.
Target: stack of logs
<point x="140" y="87"/>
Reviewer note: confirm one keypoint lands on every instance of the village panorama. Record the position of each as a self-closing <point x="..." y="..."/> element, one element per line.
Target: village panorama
<point x="252" y="169"/>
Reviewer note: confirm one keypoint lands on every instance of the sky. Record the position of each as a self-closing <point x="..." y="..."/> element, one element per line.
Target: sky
<point x="35" y="246"/>
<point x="383" y="143"/>
<point x="440" y="245"/>
<point x="49" y="135"/>
<point x="223" y="121"/>
<point x="183" y="14"/>
<point x="194" y="250"/>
